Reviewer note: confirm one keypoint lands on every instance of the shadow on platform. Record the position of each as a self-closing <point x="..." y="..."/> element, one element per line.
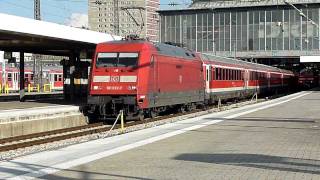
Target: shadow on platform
<point x="257" y="161"/>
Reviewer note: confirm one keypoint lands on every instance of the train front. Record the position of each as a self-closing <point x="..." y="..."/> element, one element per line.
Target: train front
<point x="114" y="79"/>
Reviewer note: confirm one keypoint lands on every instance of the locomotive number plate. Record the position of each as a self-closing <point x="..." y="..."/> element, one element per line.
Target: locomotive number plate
<point x="114" y="78"/>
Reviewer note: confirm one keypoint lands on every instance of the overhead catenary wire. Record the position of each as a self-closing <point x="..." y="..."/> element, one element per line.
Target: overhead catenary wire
<point x="28" y="8"/>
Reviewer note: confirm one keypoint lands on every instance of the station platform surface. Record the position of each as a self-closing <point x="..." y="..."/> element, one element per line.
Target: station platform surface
<point x="28" y="104"/>
<point x="276" y="139"/>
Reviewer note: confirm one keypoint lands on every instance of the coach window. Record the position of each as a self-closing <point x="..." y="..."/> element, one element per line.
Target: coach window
<point x="9" y="77"/>
<point x="219" y="73"/>
<point x="233" y="75"/>
<point x="236" y="74"/>
<point x="226" y="74"/>
<point x="223" y="77"/>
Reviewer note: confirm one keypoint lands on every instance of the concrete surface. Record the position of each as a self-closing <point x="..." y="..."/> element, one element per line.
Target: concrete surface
<point x="278" y="139"/>
<point x="28" y="104"/>
<point x="15" y="122"/>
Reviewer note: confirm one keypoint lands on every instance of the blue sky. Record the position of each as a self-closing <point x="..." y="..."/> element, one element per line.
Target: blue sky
<point x="58" y="11"/>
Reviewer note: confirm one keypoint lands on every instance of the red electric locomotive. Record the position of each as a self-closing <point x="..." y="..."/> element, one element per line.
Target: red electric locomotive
<point x="145" y="78"/>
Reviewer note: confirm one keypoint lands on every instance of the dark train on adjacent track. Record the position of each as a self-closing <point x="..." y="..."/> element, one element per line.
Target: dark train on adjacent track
<point x="145" y="78"/>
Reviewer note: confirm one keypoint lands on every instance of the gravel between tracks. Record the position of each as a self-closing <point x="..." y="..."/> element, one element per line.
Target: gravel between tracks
<point x="59" y="144"/>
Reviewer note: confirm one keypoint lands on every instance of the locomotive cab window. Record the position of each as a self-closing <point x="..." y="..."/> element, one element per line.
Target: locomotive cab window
<point x="128" y="59"/>
<point x="117" y="59"/>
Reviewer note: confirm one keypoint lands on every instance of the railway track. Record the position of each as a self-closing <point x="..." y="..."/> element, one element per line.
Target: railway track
<point x="17" y="142"/>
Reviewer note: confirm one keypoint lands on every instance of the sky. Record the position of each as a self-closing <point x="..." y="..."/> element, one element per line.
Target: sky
<point x="68" y="12"/>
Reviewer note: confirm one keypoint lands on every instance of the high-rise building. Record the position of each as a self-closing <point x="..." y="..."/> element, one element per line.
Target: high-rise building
<point x="125" y="17"/>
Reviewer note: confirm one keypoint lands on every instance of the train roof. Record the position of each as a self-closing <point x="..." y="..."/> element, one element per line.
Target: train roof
<point x="171" y="50"/>
<point x="236" y="62"/>
<point x="162" y="48"/>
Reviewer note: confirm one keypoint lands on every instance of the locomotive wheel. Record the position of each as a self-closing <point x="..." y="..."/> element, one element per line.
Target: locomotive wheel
<point x="141" y="116"/>
<point x="153" y="114"/>
<point x="182" y="109"/>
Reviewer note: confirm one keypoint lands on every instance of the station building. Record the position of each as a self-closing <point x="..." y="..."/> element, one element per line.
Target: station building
<point x="273" y="32"/>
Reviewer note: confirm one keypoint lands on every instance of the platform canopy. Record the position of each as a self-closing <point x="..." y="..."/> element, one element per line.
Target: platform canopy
<point x="33" y="36"/>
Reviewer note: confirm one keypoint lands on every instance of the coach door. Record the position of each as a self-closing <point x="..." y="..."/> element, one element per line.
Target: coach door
<point x="208" y="78"/>
<point x="246" y="79"/>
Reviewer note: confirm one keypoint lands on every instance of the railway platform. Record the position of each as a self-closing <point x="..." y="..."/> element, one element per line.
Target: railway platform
<point x="33" y="116"/>
<point x="276" y="139"/>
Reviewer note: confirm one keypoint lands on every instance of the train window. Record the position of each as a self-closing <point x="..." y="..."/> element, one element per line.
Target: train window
<point x="107" y="59"/>
<point x="222" y="74"/>
<point x="55" y="77"/>
<point x="117" y="59"/>
<point x="9" y="77"/>
<point x="60" y="77"/>
<point x="128" y="59"/>
<point x="227" y="74"/>
<point x="218" y="74"/>
<point x="236" y="74"/>
<point x="233" y="75"/>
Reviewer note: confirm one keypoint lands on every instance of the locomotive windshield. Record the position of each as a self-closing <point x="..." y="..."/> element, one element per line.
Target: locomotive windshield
<point x="117" y="59"/>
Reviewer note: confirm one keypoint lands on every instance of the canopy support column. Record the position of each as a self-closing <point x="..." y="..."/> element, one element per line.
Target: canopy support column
<point x="22" y="92"/>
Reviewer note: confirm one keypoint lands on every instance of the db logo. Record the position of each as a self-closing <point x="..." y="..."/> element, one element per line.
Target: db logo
<point x="114" y="78"/>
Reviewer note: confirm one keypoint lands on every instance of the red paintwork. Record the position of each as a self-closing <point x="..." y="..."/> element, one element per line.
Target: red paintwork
<point x="224" y="84"/>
